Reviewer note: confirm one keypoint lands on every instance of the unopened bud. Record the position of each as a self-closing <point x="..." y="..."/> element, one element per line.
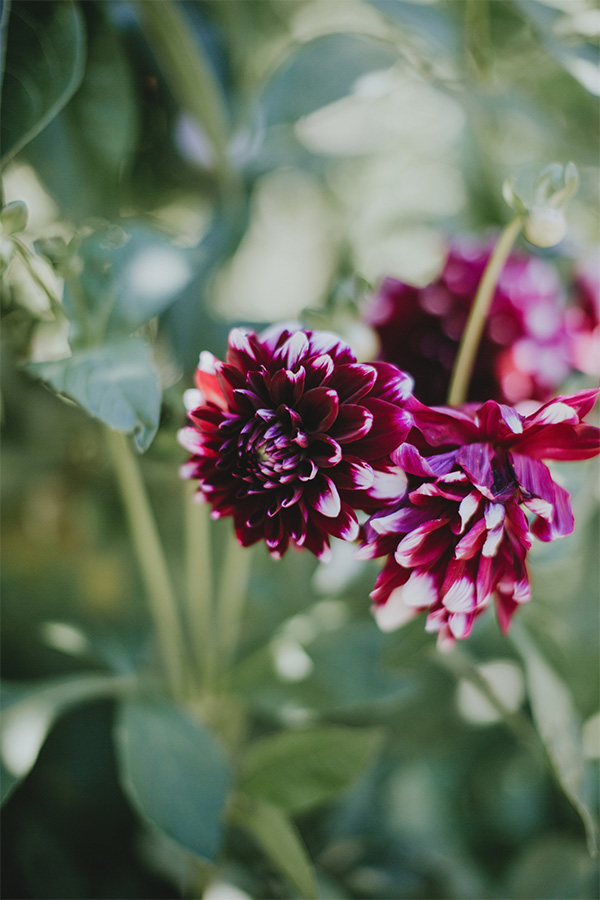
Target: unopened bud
<point x="545" y="226"/>
<point x="13" y="218"/>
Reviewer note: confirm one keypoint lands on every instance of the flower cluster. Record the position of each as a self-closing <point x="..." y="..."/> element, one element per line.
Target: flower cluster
<point x="525" y="350"/>
<point x="460" y="534"/>
<point x="291" y="436"/>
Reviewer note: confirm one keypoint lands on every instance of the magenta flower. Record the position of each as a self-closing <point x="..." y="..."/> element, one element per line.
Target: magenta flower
<point x="584" y="318"/>
<point x="460" y="534"/>
<point x="290" y="435"/>
<point x="524" y="353"/>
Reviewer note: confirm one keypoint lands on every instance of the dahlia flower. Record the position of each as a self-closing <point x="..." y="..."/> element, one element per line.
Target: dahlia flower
<point x="584" y="318"/>
<point x="290" y="435"/>
<point x="461" y="532"/>
<point x="524" y="352"/>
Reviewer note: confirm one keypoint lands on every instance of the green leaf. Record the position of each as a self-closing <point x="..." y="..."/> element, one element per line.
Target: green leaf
<point x="127" y="276"/>
<point x="45" y="61"/>
<point x="321" y="71"/>
<point x="426" y="20"/>
<point x="298" y="770"/>
<point x="29" y="712"/>
<point x="116" y="383"/>
<point x="279" y="840"/>
<point x="558" y="725"/>
<point x="83" y="155"/>
<point x="174" y="772"/>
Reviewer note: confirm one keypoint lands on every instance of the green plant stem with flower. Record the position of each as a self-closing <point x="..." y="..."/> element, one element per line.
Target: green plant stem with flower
<point x="471" y="338"/>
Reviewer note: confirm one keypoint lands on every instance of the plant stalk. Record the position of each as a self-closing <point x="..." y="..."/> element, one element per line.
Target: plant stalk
<point x="152" y="563"/>
<point x="200" y="590"/>
<point x="469" y="344"/>
<point x="188" y="75"/>
<point x="232" y="593"/>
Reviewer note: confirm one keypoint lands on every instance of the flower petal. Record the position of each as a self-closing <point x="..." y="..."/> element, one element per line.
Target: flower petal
<point x="319" y="409"/>
<point x="323" y="495"/>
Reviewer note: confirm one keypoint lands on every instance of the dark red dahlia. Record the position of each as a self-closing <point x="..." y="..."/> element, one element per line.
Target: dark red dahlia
<point x="524" y="352"/>
<point x="290" y="435"/>
<point x="460" y="534"/>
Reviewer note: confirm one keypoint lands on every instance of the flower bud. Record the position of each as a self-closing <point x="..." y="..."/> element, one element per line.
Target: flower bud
<point x="545" y="226"/>
<point x="13" y="218"/>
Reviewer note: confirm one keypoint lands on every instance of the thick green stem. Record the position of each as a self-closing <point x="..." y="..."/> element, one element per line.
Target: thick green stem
<point x="153" y="566"/>
<point x="469" y="344"/>
<point x="200" y="592"/>
<point x="232" y="593"/>
<point x="188" y="75"/>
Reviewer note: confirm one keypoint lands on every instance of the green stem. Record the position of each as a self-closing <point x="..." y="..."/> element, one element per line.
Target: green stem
<point x="188" y="74"/>
<point x="469" y="344"/>
<point x="232" y="593"/>
<point x="151" y="559"/>
<point x="200" y="588"/>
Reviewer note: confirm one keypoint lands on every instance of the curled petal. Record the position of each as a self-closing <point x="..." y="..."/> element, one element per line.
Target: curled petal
<point x="390" y="427"/>
<point x="322" y="493"/>
<point x="319" y="409"/>
<point x="352" y="381"/>
<point x="352" y="423"/>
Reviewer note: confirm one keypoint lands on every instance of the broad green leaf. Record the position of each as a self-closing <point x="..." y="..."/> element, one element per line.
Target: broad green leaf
<point x="45" y="61"/>
<point x="28" y="712"/>
<point x="128" y="276"/>
<point x="426" y="20"/>
<point x="348" y="675"/>
<point x="279" y="840"/>
<point x="116" y="383"/>
<point x="298" y="770"/>
<point x="174" y="772"/>
<point x="83" y="154"/>
<point x="558" y="725"/>
<point x="321" y="71"/>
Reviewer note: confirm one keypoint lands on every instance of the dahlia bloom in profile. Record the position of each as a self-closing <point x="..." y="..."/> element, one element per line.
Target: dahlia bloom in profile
<point x="290" y="435"/>
<point x="477" y="493"/>
<point x="524" y="352"/>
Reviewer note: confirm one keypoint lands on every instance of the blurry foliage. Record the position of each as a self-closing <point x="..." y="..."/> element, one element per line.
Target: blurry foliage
<point x="327" y="139"/>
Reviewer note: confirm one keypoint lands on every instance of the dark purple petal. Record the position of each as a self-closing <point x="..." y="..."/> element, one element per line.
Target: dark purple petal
<point x="322" y="342"/>
<point x="324" y="451"/>
<point x="477" y="460"/>
<point x="324" y="496"/>
<point x="390" y="427"/>
<point x="548" y="500"/>
<point x="352" y="423"/>
<point x="354" y="475"/>
<point x="286" y="386"/>
<point x="409" y="459"/>
<point x="319" y="409"/>
<point x="442" y="425"/>
<point x="352" y="381"/>
<point x="392" y="383"/>
<point x="561" y="442"/>
<point x="318" y="370"/>
<point x="293" y="351"/>
<point x="497" y="421"/>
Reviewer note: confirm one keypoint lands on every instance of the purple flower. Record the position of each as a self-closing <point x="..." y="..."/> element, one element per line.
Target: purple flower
<point x="524" y="353"/>
<point x="460" y="534"/>
<point x="290" y="435"/>
<point x="584" y="318"/>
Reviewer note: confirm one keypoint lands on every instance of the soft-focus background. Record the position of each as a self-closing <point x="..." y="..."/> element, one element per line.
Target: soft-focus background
<point x="310" y="148"/>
